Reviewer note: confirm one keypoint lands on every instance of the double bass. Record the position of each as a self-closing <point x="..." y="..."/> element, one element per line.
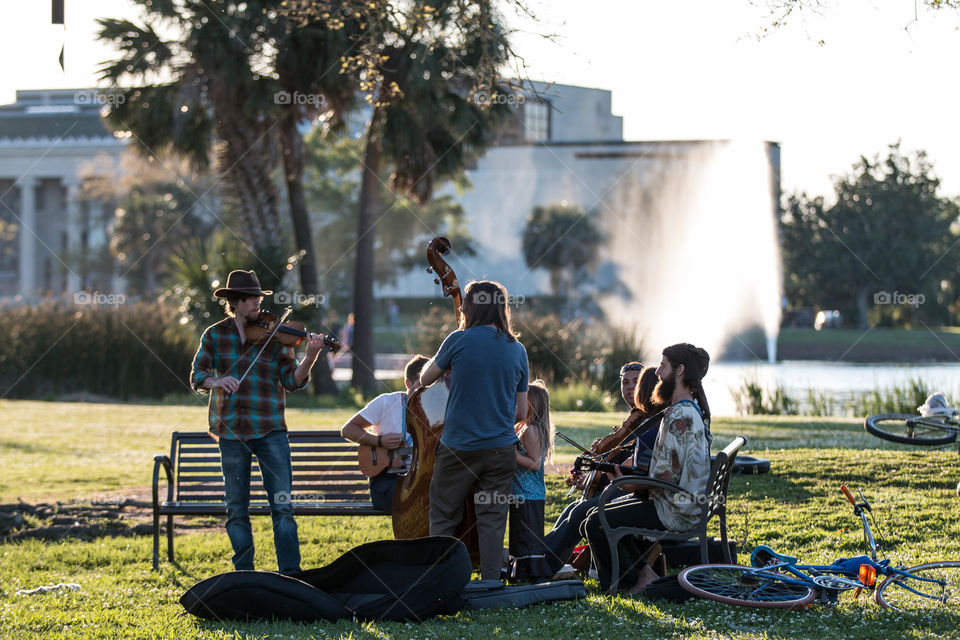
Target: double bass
<point x="425" y="413"/>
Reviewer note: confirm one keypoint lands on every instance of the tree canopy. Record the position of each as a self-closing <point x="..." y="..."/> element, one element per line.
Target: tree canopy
<point x="889" y="235"/>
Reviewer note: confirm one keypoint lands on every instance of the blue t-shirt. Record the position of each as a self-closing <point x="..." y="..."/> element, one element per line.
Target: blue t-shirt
<point x="487" y="372"/>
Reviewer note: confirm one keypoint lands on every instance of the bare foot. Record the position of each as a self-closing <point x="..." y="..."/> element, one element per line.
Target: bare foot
<point x="647" y="575"/>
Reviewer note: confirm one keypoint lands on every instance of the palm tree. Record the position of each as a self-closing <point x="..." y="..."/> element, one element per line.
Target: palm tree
<point x="425" y="127"/>
<point x="563" y="240"/>
<point x="227" y="93"/>
<point x="203" y="110"/>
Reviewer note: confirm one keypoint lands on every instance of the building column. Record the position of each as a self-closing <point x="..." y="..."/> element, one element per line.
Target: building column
<point x="74" y="234"/>
<point x="27" y="268"/>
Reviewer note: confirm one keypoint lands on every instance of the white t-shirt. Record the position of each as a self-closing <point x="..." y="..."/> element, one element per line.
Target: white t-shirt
<point x="385" y="414"/>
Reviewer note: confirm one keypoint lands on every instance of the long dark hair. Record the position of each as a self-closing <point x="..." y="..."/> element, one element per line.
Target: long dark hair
<point x="695" y="363"/>
<point x="643" y="395"/>
<point x="485" y="302"/>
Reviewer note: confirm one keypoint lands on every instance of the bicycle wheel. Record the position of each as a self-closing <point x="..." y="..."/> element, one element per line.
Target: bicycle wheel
<point x="909" y="429"/>
<point x="744" y="586"/>
<point x="908" y="593"/>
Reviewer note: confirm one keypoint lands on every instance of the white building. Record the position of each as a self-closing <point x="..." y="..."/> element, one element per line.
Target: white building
<point x="566" y="147"/>
<point x="49" y="232"/>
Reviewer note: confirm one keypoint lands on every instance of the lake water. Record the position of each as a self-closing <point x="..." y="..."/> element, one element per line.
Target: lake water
<point x="839" y="379"/>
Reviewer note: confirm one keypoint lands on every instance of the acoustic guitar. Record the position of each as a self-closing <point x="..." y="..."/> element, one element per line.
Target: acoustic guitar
<point x="373" y="460"/>
<point x="587" y="463"/>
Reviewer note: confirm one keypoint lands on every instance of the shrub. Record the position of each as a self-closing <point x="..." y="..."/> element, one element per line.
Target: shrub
<point x="125" y="351"/>
<point x="752" y="399"/>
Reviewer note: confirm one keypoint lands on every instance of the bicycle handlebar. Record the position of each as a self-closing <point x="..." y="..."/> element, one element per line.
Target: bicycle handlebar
<point x="849" y="495"/>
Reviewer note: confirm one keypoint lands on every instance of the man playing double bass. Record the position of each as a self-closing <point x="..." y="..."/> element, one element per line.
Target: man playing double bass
<point x="246" y="416"/>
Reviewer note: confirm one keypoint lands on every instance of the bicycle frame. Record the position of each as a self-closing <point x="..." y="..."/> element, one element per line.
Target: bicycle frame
<point x="802" y="572"/>
<point x="945" y="422"/>
<point x="800" y="584"/>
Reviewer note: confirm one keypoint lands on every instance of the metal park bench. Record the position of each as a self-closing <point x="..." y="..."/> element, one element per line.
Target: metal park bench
<point x="713" y="503"/>
<point x="326" y="481"/>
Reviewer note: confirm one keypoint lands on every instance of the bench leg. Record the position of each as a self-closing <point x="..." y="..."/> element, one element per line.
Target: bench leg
<point x="170" y="538"/>
<point x="615" y="564"/>
<point x="723" y="538"/>
<point x="156" y="540"/>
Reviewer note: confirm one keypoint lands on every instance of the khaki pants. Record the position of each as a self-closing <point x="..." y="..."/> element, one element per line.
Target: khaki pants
<point x="455" y="474"/>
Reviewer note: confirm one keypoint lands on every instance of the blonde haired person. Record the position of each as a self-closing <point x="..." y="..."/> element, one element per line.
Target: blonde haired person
<point x="528" y="560"/>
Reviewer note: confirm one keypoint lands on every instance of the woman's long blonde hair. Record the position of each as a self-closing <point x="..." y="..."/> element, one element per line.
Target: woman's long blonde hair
<point x="538" y="417"/>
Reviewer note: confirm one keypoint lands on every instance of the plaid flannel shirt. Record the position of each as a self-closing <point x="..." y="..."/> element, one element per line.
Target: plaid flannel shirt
<point x="257" y="407"/>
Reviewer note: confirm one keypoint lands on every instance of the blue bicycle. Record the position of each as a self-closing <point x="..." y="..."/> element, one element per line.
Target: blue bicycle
<point x="777" y="581"/>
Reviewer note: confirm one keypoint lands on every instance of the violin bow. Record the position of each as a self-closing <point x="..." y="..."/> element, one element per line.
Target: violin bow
<point x="571" y="441"/>
<point x="287" y="312"/>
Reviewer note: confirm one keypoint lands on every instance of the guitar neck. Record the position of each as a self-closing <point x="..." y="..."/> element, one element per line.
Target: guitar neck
<point x="624" y="469"/>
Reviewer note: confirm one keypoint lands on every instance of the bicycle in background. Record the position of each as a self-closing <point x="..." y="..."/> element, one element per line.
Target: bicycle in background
<point x="778" y="581"/>
<point x="937" y="424"/>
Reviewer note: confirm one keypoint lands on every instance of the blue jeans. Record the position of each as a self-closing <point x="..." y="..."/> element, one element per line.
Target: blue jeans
<point x="568" y="530"/>
<point x="566" y="533"/>
<point x="273" y="456"/>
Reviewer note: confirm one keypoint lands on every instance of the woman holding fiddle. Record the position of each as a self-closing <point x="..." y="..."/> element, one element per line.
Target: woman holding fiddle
<point x="246" y="414"/>
<point x="636" y="386"/>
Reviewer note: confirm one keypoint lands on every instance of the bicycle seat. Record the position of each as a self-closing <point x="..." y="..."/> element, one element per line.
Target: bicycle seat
<point x="762" y="555"/>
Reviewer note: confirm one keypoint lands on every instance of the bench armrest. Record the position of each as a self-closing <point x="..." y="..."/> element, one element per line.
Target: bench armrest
<point x="644" y="481"/>
<point x="162" y="461"/>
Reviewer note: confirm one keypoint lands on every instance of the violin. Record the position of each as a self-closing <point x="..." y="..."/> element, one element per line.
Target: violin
<point x="290" y="333"/>
<point x="613" y="449"/>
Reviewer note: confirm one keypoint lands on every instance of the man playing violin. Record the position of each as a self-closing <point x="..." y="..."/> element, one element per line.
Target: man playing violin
<point x="681" y="456"/>
<point x="246" y="415"/>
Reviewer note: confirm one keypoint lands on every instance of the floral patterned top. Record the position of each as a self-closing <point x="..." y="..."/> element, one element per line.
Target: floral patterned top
<point x="681" y="456"/>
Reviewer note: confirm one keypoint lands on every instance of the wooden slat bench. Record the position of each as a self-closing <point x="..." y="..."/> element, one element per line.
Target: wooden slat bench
<point x="326" y="481"/>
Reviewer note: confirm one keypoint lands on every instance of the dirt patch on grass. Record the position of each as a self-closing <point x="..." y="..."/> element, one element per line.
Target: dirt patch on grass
<point x="128" y="515"/>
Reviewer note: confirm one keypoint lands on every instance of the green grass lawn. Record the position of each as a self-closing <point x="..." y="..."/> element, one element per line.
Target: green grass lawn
<point x="72" y="451"/>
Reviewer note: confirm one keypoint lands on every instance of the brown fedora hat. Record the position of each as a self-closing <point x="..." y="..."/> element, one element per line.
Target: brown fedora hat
<point x="243" y="282"/>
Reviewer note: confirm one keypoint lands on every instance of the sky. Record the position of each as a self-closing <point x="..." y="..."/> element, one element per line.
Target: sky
<point x="829" y="86"/>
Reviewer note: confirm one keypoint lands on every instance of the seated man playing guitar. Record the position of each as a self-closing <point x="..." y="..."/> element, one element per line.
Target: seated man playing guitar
<point x="380" y="430"/>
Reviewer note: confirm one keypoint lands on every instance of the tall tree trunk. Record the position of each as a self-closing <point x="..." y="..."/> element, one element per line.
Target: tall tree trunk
<point x="862" y="296"/>
<point x="303" y="238"/>
<point x="363" y="345"/>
